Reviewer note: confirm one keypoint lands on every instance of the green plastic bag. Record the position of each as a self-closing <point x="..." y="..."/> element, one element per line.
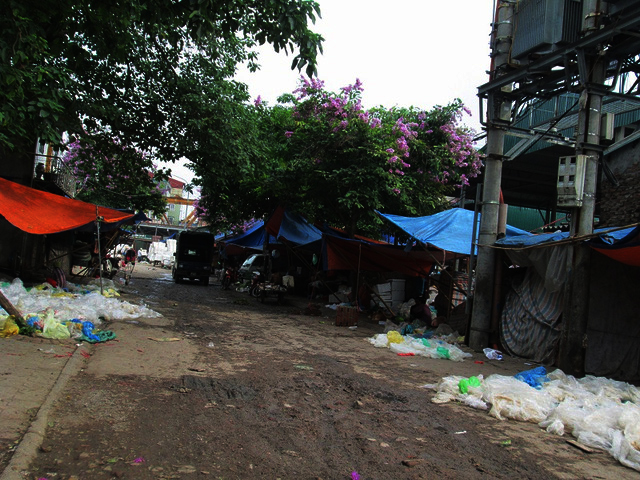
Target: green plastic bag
<point x="443" y="352"/>
<point x="465" y="383"/>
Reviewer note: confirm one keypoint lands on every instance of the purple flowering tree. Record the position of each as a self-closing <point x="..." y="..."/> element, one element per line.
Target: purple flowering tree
<point x="116" y="175"/>
<point x="340" y="162"/>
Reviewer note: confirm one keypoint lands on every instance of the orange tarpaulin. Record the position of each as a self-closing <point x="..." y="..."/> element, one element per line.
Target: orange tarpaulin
<point x="38" y="212"/>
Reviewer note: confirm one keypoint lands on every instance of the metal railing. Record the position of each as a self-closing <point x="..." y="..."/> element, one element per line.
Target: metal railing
<point x="57" y="172"/>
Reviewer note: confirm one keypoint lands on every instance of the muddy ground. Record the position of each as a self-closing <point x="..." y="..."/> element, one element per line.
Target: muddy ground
<point x="225" y="387"/>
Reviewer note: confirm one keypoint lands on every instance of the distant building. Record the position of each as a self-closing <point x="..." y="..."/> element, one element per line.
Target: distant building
<point x="179" y="205"/>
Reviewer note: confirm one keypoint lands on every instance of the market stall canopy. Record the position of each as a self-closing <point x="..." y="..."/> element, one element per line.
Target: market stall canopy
<point x="621" y="244"/>
<point x="37" y="212"/>
<point x="345" y="254"/>
<point x="295" y="229"/>
<point x="254" y="238"/>
<point x="451" y="230"/>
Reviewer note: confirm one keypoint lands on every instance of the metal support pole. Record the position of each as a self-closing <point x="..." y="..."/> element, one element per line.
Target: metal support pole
<point x="98" y="220"/>
<point x="573" y="339"/>
<point x="499" y="112"/>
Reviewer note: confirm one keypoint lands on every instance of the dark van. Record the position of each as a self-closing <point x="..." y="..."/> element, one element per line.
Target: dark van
<point x="193" y="257"/>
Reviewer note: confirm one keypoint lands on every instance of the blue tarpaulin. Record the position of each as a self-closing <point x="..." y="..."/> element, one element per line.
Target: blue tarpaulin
<point x="451" y="230"/>
<point x="254" y="237"/>
<point x="620" y="244"/>
<point x="283" y="225"/>
<point x="607" y="236"/>
<point x="295" y="229"/>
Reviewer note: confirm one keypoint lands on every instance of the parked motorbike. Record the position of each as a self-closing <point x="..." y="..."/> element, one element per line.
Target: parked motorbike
<point x="256" y="280"/>
<point x="229" y="277"/>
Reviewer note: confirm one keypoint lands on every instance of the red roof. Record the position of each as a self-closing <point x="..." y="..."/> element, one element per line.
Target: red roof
<point x="176" y="183"/>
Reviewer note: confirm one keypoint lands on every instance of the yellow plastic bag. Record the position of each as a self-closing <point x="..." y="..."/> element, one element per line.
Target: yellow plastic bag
<point x="9" y="327"/>
<point x="53" y="328"/>
<point x="394" y="337"/>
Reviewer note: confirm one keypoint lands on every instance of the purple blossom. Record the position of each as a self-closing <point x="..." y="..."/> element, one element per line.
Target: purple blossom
<point x="258" y="101"/>
<point x="288" y="134"/>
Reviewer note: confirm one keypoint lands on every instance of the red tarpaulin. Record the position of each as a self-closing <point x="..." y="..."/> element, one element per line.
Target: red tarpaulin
<point x="343" y="254"/>
<point x="38" y="212"/>
<point x="628" y="255"/>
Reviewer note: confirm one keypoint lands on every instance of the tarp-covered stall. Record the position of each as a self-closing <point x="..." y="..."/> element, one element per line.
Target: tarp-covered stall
<point x="450" y="230"/>
<point x="39" y="213"/>
<point x="52" y="222"/>
<point x="288" y="226"/>
<point x="531" y="322"/>
<point x="253" y="239"/>
<point x="345" y="254"/>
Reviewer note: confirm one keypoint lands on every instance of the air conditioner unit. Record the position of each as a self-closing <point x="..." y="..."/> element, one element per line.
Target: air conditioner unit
<point x="571" y="172"/>
<point x="542" y="26"/>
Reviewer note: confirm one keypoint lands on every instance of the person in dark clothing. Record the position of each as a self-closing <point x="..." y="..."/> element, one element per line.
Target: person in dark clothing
<point x="421" y="311"/>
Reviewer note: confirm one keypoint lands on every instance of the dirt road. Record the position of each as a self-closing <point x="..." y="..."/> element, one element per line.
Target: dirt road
<point x="225" y="387"/>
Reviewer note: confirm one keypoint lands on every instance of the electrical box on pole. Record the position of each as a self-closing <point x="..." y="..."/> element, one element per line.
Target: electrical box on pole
<point x="571" y="172"/>
<point x="607" y="125"/>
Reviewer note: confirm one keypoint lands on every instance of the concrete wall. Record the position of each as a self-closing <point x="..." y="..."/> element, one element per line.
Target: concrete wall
<point x="620" y="205"/>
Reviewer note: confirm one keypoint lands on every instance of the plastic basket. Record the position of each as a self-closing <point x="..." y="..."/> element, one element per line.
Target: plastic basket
<point x="346" y="316"/>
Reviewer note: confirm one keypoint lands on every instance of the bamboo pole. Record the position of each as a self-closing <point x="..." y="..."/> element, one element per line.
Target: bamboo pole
<point x="11" y="310"/>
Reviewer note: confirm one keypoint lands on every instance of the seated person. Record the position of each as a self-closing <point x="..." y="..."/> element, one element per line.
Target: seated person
<point x="276" y="278"/>
<point x="421" y="311"/>
<point x="315" y="284"/>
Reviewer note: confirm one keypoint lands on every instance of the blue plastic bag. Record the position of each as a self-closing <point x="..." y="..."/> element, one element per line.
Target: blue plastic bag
<point x="534" y="377"/>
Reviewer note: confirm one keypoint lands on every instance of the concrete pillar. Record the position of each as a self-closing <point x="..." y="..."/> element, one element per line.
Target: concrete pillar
<point x="573" y="339"/>
<point x="499" y="112"/>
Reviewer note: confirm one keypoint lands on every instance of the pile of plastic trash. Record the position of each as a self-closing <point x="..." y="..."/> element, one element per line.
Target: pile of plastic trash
<point x="418" y="344"/>
<point x="61" y="313"/>
<point x="599" y="412"/>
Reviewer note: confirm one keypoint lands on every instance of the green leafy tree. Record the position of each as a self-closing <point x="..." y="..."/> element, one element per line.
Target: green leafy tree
<point x="117" y="176"/>
<point x="253" y="152"/>
<point x="154" y="74"/>
<point x="338" y="162"/>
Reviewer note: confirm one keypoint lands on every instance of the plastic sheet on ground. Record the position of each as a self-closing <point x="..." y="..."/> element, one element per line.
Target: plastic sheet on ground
<point x="426" y="347"/>
<point x="599" y="412"/>
<point x="82" y="302"/>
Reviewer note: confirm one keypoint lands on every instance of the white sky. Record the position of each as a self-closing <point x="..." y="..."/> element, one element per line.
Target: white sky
<point x="418" y="53"/>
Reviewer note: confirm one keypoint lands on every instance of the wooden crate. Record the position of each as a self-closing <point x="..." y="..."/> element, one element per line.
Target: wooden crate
<point x="346" y="316"/>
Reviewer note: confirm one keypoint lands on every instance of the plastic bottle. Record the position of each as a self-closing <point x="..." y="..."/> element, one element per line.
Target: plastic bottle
<point x="492" y="354"/>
